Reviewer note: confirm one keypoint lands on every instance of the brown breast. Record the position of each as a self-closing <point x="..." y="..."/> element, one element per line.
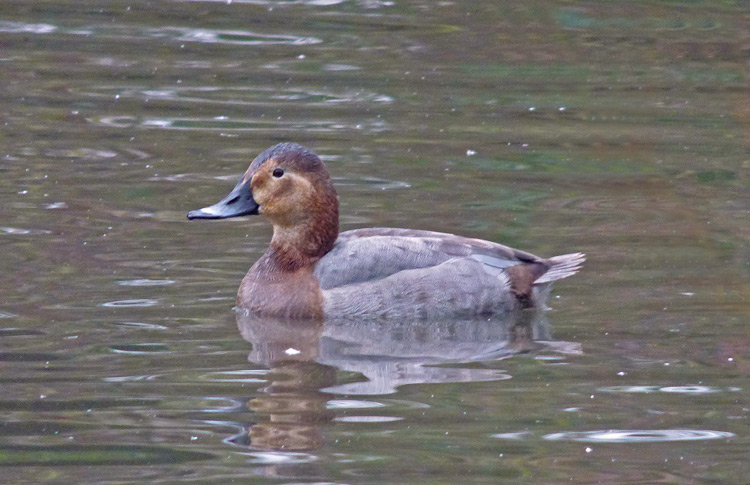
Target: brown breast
<point x="268" y="291"/>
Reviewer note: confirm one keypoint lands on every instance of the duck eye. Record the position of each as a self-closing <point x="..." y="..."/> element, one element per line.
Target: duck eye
<point x="278" y="173"/>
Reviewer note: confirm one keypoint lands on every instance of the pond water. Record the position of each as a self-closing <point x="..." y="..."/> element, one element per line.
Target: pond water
<point x="618" y="129"/>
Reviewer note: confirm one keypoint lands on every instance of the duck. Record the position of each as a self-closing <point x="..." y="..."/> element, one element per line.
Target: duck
<point x="311" y="271"/>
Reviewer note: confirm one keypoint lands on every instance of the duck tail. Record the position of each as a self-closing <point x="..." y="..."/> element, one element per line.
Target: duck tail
<point x="561" y="267"/>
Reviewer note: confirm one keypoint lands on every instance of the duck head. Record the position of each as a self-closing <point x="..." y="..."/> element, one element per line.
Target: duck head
<point x="290" y="185"/>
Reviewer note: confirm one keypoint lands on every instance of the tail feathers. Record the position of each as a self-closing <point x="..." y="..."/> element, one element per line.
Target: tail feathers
<point x="562" y="267"/>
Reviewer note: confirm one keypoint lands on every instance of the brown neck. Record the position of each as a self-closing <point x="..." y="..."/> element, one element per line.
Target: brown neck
<point x="300" y="245"/>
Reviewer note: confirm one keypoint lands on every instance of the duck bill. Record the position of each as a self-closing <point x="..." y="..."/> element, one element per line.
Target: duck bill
<point x="238" y="203"/>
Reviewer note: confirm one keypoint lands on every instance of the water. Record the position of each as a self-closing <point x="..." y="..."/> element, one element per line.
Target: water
<point x="617" y="130"/>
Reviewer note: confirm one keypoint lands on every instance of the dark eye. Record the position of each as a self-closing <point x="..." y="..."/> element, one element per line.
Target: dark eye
<point x="278" y="172"/>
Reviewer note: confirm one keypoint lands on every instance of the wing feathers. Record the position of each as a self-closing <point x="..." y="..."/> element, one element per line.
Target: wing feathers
<point x="562" y="267"/>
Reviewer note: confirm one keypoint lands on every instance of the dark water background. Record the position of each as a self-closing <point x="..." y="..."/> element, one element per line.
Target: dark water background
<point x="621" y="129"/>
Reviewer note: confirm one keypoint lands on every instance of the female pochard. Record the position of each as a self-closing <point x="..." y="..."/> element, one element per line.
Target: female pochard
<point x="312" y="271"/>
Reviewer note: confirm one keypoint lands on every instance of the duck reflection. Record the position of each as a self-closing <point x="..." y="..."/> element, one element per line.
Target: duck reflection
<point x="305" y="359"/>
<point x="294" y="407"/>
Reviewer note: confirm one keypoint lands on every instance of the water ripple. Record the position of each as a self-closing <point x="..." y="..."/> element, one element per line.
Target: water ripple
<point x="20" y="332"/>
<point x="278" y="457"/>
<point x="131" y="378"/>
<point x="147" y="326"/>
<point x="145" y="282"/>
<point x="367" y="419"/>
<point x="16" y="231"/>
<point x="639" y="436"/>
<point x="696" y="389"/>
<point x="142" y="348"/>
<point x="228" y="376"/>
<point x="243" y="96"/>
<point x="23" y="28"/>
<point x="372" y="182"/>
<point x="221" y="405"/>
<point x="274" y="3"/>
<point x="223" y="123"/>
<point x="143" y="302"/>
<point x="56" y="205"/>
<point x="178" y="34"/>
<point x="352" y="404"/>
<point x="236" y="37"/>
<point x="82" y="153"/>
<point x="518" y="435"/>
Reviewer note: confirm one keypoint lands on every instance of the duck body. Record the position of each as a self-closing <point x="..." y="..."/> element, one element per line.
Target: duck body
<point x="312" y="271"/>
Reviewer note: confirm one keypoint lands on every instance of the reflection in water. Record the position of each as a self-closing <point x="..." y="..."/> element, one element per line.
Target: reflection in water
<point x="304" y="357"/>
<point x="393" y="354"/>
<point x="294" y="405"/>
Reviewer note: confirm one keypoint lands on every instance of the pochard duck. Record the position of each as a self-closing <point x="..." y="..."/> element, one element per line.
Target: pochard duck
<point x="310" y="271"/>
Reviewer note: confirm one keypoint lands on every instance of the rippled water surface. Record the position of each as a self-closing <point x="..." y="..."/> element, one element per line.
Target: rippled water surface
<point x="620" y="129"/>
